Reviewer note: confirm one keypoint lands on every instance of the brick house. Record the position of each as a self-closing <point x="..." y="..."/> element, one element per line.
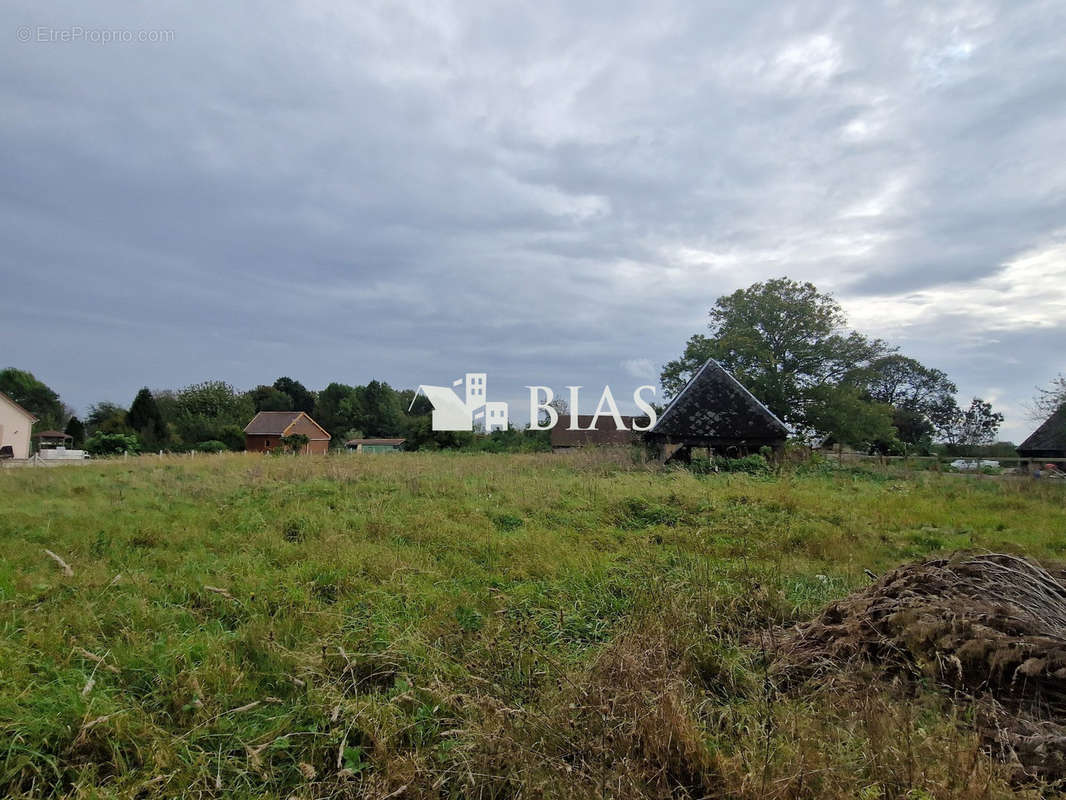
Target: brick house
<point x="267" y="428"/>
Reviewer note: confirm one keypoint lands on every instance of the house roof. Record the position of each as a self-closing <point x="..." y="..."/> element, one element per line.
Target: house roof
<point x="393" y="442"/>
<point x="605" y="432"/>
<point x="52" y="435"/>
<point x="277" y="423"/>
<point x="1049" y="437"/>
<point x="715" y="406"/>
<point x="31" y="417"/>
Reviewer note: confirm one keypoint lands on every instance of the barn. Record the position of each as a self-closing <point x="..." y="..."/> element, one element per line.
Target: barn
<point x="594" y="432"/>
<point x="1049" y="440"/>
<point x="268" y="428"/>
<point x="716" y="414"/>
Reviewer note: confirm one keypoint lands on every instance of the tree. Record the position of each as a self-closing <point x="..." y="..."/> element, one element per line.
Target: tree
<point x="109" y="444"/>
<point x="302" y="399"/>
<point x="382" y="412"/>
<point x="107" y="418"/>
<point x="212" y="411"/>
<point x="295" y="442"/>
<point x="267" y="398"/>
<point x="339" y="408"/>
<point x="34" y="396"/>
<point x="76" y="431"/>
<point x="145" y="418"/>
<point x="1050" y="399"/>
<point x="913" y="391"/>
<point x="844" y="415"/>
<point x="903" y="382"/>
<point x="977" y="425"/>
<point x="781" y="339"/>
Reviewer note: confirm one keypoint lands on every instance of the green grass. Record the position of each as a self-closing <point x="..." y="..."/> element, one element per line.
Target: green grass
<point x="464" y="626"/>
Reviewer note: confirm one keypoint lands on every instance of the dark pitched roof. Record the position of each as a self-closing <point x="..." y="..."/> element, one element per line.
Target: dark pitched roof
<point x="52" y="435"/>
<point x="605" y="432"/>
<point x="276" y="423"/>
<point x="1049" y="438"/>
<point x="393" y="442"/>
<point x="715" y="407"/>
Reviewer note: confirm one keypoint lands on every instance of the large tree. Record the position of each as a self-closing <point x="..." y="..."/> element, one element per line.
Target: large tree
<point x="977" y="425"/>
<point x="382" y="410"/>
<point x="212" y="411"/>
<point x="146" y="419"/>
<point x="339" y="409"/>
<point x="34" y="396"/>
<point x="916" y="394"/>
<point x="781" y="339"/>
<point x="844" y="415"/>
<point x="302" y="399"/>
<point x="76" y="431"/>
<point x="107" y="418"/>
<point x="267" y="398"/>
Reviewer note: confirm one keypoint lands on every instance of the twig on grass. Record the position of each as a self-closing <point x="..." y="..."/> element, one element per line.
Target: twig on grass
<point x="67" y="570"/>
<point x="98" y="660"/>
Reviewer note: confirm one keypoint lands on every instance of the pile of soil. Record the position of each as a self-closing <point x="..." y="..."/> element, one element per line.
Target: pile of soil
<point x="991" y="628"/>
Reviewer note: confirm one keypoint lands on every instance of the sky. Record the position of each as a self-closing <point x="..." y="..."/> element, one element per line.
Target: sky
<point x="550" y="192"/>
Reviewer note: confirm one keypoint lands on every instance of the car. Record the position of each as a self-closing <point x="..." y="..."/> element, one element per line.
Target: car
<point x="972" y="465"/>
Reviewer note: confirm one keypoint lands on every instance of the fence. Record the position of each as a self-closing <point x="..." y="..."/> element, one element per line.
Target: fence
<point x="940" y="462"/>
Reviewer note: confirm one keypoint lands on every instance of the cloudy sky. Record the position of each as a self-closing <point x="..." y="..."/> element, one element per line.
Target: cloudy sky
<point x="552" y="192"/>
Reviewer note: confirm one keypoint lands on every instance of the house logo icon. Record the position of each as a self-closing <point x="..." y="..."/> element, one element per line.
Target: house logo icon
<point x="451" y="412"/>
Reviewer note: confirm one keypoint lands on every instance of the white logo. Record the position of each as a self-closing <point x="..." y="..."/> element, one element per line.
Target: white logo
<point x="450" y="413"/>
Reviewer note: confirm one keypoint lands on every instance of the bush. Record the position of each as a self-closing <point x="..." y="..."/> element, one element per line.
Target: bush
<point x="110" y="444"/>
<point x="752" y="465"/>
<point x="213" y="446"/>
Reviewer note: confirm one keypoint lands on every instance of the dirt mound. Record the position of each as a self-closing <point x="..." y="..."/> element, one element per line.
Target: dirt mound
<point x="990" y="627"/>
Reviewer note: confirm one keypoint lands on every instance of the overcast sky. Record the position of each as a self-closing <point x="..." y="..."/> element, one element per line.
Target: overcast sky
<point x="552" y="192"/>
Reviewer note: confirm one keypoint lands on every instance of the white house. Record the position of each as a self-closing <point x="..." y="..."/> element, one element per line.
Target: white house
<point x="495" y="416"/>
<point x="475" y="390"/>
<point x="15" y="426"/>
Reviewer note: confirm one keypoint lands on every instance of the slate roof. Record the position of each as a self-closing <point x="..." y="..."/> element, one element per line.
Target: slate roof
<point x="1049" y="439"/>
<point x="276" y="423"/>
<point x="392" y="442"/>
<point x="715" y="407"/>
<point x="605" y="432"/>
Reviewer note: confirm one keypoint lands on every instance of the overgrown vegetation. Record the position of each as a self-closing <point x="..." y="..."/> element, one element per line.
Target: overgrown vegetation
<point x="467" y="625"/>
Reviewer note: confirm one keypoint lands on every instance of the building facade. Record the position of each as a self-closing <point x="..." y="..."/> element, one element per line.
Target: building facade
<point x="267" y="428"/>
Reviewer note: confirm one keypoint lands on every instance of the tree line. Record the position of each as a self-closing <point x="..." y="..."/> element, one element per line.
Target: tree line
<point x="211" y="416"/>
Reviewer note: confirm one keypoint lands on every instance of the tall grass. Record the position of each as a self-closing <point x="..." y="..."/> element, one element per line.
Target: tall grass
<point x="464" y="625"/>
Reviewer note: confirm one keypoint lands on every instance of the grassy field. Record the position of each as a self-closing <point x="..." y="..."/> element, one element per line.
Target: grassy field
<point x="468" y="626"/>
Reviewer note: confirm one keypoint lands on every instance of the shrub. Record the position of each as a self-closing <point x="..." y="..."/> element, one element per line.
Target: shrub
<point x="752" y="465"/>
<point x="212" y="446"/>
<point x="109" y="444"/>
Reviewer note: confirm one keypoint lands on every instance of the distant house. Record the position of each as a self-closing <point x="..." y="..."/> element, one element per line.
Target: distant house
<point x="604" y="434"/>
<point x="375" y="445"/>
<point x="15" y="425"/>
<point x="1049" y="440"/>
<point x="268" y="428"/>
<point x="715" y="413"/>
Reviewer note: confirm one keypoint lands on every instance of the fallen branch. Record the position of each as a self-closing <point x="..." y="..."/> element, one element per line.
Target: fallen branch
<point x="63" y="564"/>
